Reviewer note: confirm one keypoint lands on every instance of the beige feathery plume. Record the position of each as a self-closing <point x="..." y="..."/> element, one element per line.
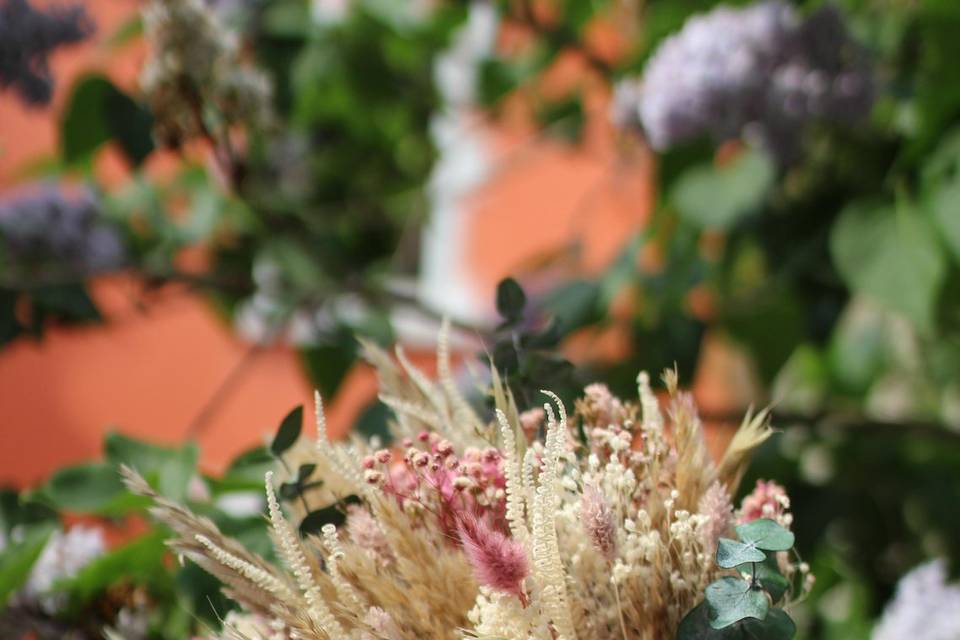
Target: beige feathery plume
<point x="695" y="470"/>
<point x="546" y="548"/>
<point x="341" y="458"/>
<point x="415" y="410"/>
<point x="257" y="576"/>
<point x="187" y="526"/>
<point x="515" y="512"/>
<point x="392" y="384"/>
<point x="753" y="431"/>
<point x="436" y="399"/>
<point x="345" y="591"/>
<point x="504" y="402"/>
<point x="463" y="414"/>
<point x="652" y="418"/>
<point x="293" y="553"/>
<point x="390" y="377"/>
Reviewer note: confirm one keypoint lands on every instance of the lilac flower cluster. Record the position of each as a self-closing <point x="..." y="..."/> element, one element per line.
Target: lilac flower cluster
<point x="761" y="73"/>
<point x="925" y="606"/>
<point x="48" y="231"/>
<point x="28" y="37"/>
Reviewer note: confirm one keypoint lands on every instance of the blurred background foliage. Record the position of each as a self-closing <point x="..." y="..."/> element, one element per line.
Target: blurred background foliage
<point x="833" y="270"/>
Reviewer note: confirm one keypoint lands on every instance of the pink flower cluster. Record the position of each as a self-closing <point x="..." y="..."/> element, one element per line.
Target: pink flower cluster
<point x="604" y="408"/>
<point x="430" y="475"/>
<point x="767" y="500"/>
<point x="366" y="533"/>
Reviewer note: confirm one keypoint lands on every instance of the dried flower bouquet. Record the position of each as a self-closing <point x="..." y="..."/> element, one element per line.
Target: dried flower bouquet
<point x="538" y="524"/>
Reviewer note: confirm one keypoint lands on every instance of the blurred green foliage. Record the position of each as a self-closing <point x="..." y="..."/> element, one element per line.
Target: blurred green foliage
<point x="180" y="599"/>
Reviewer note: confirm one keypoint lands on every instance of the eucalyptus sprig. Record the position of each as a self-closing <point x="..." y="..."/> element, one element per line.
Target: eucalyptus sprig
<point x="745" y="605"/>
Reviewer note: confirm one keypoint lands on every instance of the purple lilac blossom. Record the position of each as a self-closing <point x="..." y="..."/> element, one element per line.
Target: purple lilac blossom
<point x="760" y="73"/>
<point x="46" y="229"/>
<point x="925" y="607"/>
<point x="28" y="37"/>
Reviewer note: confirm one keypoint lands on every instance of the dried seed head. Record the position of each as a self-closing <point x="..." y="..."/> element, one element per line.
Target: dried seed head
<point x="498" y="561"/>
<point x="598" y="521"/>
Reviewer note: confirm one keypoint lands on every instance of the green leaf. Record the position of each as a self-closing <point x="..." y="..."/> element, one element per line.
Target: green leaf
<point x="574" y="304"/>
<point x="84" y="126"/>
<point x="287" y="19"/>
<point x="288" y="491"/>
<point x="313" y="522"/>
<point x="89" y="488"/>
<point x="766" y="534"/>
<point x="578" y="13"/>
<point x="755" y="537"/>
<point x="718" y="197"/>
<point x="203" y="595"/>
<point x="892" y="256"/>
<point x="245" y="472"/>
<point x="67" y="301"/>
<point x="731" y="553"/>
<point x="696" y="626"/>
<point x="127" y="32"/>
<point x="328" y="364"/>
<point x="941" y="185"/>
<point x="859" y="347"/>
<point x="130" y="126"/>
<point x="10" y="324"/>
<point x="288" y="433"/>
<point x="305" y="471"/>
<point x="98" y="112"/>
<point x="731" y="599"/>
<point x="510" y="300"/>
<point x="776" y="626"/>
<point x="564" y="119"/>
<point x="945" y="207"/>
<point x="495" y="79"/>
<point x="251" y="459"/>
<point x="170" y="468"/>
<point x="374" y="422"/>
<point x="17" y="560"/>
<point x="17" y="511"/>
<point x="750" y="325"/>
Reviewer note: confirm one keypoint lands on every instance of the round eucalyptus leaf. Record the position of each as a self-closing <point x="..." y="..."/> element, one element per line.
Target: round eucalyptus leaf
<point x="766" y="534"/>
<point x="696" y="626"/>
<point x="731" y="599"/>
<point x="731" y="553"/>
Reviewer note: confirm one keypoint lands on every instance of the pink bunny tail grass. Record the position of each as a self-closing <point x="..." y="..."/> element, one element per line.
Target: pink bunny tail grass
<point x="715" y="503"/>
<point x="498" y="561"/>
<point x="597" y="519"/>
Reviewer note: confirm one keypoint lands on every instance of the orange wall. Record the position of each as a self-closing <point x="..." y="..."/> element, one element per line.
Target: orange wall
<point x="150" y="372"/>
